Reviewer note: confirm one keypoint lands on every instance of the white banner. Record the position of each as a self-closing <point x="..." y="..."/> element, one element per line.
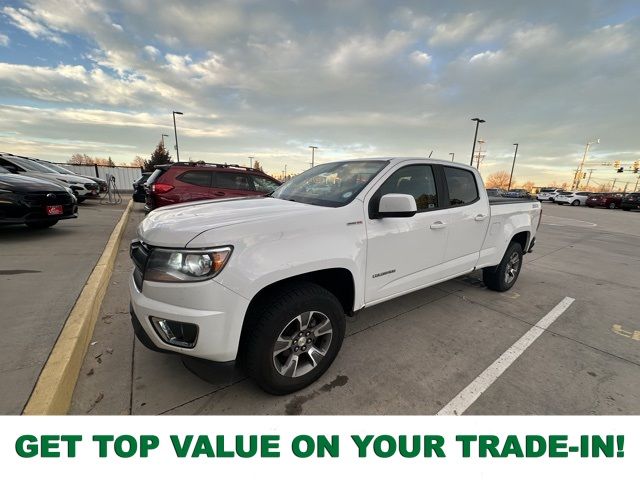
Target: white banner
<point x="320" y="447"/>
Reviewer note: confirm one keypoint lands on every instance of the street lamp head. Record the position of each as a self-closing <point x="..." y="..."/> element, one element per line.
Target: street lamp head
<point x="178" y="113"/>
<point x="479" y="120"/>
<point x="516" y="144"/>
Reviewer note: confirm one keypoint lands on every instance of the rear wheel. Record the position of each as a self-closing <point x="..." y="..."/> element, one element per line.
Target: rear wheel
<point x="41" y="223"/>
<point x="612" y="205"/>
<point x="575" y="203"/>
<point x="292" y="338"/>
<point x="502" y="277"/>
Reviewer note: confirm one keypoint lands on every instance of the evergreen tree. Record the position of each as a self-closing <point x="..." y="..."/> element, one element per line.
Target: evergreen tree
<point x="160" y="156"/>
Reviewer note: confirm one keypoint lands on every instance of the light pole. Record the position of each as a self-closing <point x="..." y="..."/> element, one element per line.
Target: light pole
<point x="513" y="165"/>
<point x="589" y="178"/>
<point x="251" y="161"/>
<point x="313" y="156"/>
<point x="175" y="132"/>
<point x="453" y="155"/>
<point x="576" y="180"/>
<point x="475" y="137"/>
<point x="162" y="139"/>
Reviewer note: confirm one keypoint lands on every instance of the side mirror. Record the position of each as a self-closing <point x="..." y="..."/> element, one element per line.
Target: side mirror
<point x="397" y="205"/>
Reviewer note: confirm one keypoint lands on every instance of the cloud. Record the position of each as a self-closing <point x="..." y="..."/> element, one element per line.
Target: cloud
<point x="420" y="58"/>
<point x="25" y="19"/>
<point x="269" y="78"/>
<point x="4" y="40"/>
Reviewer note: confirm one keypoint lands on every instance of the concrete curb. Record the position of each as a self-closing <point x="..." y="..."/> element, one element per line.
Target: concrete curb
<point x="54" y="388"/>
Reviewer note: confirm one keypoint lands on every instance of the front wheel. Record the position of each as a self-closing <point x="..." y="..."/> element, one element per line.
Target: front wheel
<point x="292" y="338"/>
<point x="575" y="203"/>
<point x="612" y="206"/>
<point x="502" y="277"/>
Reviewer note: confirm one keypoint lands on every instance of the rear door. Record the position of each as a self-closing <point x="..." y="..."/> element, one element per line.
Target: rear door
<point x="232" y="184"/>
<point x="468" y="217"/>
<point x="193" y="185"/>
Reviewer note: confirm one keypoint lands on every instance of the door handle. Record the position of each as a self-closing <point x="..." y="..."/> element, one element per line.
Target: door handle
<point x="480" y="217"/>
<point x="437" y="225"/>
<point x="219" y="194"/>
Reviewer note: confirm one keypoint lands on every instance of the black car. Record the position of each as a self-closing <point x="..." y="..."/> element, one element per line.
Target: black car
<point x="139" y="194"/>
<point x="631" y="202"/>
<point x="34" y="202"/>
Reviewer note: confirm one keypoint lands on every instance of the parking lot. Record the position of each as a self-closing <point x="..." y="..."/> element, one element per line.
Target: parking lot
<point x="414" y="354"/>
<point x="42" y="274"/>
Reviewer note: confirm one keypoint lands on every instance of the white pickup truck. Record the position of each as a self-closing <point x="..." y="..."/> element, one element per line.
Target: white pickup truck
<point x="268" y="281"/>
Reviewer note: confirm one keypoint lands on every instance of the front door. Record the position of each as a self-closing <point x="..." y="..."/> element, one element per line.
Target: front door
<point x="403" y="254"/>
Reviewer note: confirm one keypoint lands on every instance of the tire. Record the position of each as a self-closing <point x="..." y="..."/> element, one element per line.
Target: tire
<point x="575" y="203"/>
<point x="283" y="316"/>
<point x="626" y="209"/>
<point x="612" y="206"/>
<point x="37" y="224"/>
<point x="590" y="206"/>
<point x="496" y="278"/>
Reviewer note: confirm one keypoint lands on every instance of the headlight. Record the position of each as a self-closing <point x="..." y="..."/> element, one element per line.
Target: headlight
<point x="186" y="265"/>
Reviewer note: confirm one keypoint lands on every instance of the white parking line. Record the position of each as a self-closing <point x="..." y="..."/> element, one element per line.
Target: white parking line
<point x="470" y="394"/>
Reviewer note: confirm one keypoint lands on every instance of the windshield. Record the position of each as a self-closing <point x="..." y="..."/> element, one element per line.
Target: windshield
<point x="331" y="184"/>
<point x="31" y="165"/>
<point x="57" y="168"/>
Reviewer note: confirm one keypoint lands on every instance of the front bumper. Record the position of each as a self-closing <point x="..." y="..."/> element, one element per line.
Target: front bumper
<point x="217" y="311"/>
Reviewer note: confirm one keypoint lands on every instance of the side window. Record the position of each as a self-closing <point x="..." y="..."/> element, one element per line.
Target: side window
<point x="264" y="184"/>
<point x="10" y="166"/>
<point x="462" y="186"/>
<point x="232" y="181"/>
<point x="415" y="180"/>
<point x="195" y="177"/>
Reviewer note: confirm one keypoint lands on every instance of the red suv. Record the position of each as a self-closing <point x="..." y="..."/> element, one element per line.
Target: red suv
<point x="607" y="200"/>
<point x="190" y="181"/>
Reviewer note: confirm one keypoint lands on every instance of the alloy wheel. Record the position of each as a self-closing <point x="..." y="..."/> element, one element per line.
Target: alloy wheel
<point x="302" y="344"/>
<point x="513" y="267"/>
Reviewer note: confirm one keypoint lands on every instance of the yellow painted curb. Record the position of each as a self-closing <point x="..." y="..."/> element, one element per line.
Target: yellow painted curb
<point x="54" y="388"/>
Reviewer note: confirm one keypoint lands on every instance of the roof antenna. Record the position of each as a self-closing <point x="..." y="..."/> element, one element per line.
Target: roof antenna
<point x="431" y="154"/>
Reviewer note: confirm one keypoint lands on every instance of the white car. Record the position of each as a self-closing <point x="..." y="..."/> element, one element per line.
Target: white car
<point x="572" y="198"/>
<point x="548" y="194"/>
<point x="269" y="280"/>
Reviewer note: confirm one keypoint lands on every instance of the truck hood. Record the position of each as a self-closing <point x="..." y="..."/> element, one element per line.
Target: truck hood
<point x="177" y="225"/>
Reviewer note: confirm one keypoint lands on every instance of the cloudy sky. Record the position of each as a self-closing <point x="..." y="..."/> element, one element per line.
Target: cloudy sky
<point x="355" y="77"/>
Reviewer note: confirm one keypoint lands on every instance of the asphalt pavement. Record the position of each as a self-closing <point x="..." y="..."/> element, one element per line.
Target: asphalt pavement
<point x="41" y="275"/>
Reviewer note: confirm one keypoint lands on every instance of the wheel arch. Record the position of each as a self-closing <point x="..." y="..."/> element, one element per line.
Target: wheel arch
<point x="339" y="281"/>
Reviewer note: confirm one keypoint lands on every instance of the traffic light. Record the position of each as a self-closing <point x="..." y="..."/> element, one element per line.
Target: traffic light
<point x="584" y="175"/>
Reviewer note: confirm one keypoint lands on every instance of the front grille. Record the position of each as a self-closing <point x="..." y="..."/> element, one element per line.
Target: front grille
<point x="37" y="199"/>
<point x="139" y="253"/>
<point x="91" y="186"/>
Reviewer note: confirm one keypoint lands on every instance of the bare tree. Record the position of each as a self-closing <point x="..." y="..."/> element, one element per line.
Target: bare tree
<point x="499" y="180"/>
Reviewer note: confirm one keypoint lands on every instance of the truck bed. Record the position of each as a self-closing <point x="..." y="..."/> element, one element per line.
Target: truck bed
<point x="503" y="200"/>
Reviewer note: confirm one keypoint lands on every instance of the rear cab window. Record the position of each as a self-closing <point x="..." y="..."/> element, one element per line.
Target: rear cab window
<point x="462" y="186"/>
